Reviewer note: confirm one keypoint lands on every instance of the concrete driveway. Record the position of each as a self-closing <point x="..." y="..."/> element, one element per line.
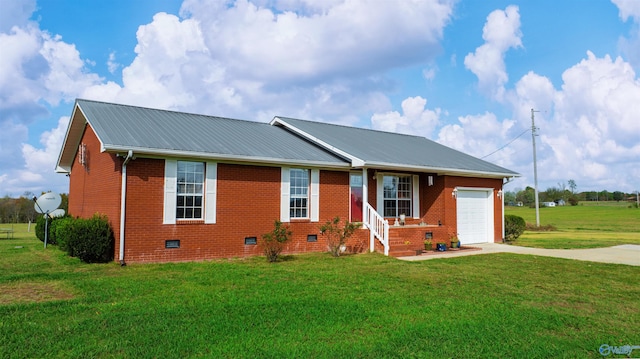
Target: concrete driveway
<point x="624" y="254"/>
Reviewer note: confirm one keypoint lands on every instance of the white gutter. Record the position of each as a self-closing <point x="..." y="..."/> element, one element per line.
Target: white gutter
<point x="123" y="200"/>
<point x="160" y="153"/>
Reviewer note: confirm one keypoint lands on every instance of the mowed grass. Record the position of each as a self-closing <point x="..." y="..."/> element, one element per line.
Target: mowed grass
<point x="362" y="306"/>
<point x="588" y="225"/>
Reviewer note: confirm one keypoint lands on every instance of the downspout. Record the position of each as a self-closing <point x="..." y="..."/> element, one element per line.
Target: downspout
<point x="123" y="200"/>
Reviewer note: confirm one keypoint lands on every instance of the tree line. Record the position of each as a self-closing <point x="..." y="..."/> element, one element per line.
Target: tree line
<point x="22" y="209"/>
<point x="566" y="193"/>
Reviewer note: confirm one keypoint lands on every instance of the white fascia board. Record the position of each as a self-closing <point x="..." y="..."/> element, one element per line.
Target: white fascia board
<point x="73" y="134"/>
<point x="160" y="153"/>
<point x="438" y="170"/>
<point x="63" y="169"/>
<point x="355" y="161"/>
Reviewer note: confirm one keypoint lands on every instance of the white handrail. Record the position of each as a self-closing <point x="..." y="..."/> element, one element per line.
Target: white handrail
<point x="378" y="228"/>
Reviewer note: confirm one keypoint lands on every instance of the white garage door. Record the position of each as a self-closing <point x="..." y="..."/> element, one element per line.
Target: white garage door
<point x="475" y="216"/>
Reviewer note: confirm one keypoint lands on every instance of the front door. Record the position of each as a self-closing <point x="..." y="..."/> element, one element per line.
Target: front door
<point x="355" y="182"/>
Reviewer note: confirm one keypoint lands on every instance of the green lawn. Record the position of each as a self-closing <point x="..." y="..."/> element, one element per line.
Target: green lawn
<point x="363" y="306"/>
<point x="588" y="225"/>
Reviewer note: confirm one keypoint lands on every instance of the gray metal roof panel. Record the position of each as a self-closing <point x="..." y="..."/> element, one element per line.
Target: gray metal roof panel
<point x="377" y="147"/>
<point x="121" y="126"/>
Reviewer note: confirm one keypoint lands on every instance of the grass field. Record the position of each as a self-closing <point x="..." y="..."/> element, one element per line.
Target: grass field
<point x="588" y="225"/>
<point x="363" y="306"/>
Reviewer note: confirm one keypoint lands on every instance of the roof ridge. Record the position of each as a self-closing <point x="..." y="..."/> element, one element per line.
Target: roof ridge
<point x="357" y="128"/>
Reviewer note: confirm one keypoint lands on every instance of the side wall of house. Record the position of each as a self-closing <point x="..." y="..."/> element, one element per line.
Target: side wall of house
<point x="95" y="186"/>
<point x="438" y="207"/>
<point x="452" y="182"/>
<point x="248" y="204"/>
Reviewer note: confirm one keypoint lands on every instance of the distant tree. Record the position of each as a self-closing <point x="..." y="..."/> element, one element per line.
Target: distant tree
<point x="572" y="186"/>
<point x="618" y="196"/>
<point x="64" y="204"/>
<point x="526" y="196"/>
<point x="553" y="194"/>
<point x="509" y="197"/>
<point x="590" y="196"/>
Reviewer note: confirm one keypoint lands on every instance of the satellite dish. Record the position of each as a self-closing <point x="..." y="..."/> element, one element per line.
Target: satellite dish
<point x="48" y="202"/>
<point x="57" y="213"/>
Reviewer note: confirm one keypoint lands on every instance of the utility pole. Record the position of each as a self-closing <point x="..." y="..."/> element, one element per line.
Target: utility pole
<point x="535" y="165"/>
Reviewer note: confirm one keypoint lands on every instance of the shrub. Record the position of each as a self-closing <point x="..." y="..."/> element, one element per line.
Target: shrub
<point x="514" y="226"/>
<point x="337" y="236"/>
<point x="60" y="231"/>
<point x="91" y="240"/>
<point x="573" y="200"/>
<point x="274" y="241"/>
<point x="54" y="225"/>
<point x="40" y="227"/>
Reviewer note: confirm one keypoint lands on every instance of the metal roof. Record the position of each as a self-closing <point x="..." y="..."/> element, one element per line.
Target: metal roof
<point x="385" y="150"/>
<point x="161" y="133"/>
<point x="167" y="133"/>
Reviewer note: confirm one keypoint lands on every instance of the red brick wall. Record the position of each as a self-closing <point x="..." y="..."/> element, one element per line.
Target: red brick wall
<point x="438" y="206"/>
<point x="95" y="187"/>
<point x="450" y="202"/>
<point x="248" y="203"/>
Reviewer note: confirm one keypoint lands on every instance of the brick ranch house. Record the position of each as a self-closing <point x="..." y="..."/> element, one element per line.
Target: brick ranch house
<point x="180" y="187"/>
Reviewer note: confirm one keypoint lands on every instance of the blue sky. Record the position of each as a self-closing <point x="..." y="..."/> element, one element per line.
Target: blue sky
<point x="463" y="73"/>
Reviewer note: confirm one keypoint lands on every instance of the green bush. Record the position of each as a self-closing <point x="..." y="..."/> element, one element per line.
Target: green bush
<point x="54" y="224"/>
<point x="514" y="226"/>
<point x="60" y="231"/>
<point x="274" y="241"/>
<point x="40" y="226"/>
<point x="337" y="236"/>
<point x="91" y="239"/>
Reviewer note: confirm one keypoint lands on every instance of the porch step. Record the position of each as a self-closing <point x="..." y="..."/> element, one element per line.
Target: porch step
<point x="402" y="250"/>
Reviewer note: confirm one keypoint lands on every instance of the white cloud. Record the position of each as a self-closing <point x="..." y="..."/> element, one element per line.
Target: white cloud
<point x="480" y="135"/>
<point x="590" y="128"/>
<point x="630" y="45"/>
<point x="500" y="33"/>
<point x="628" y="9"/>
<point x="112" y="64"/>
<point x="414" y="120"/>
<point x="37" y="173"/>
<point x="248" y="59"/>
<point x="15" y="13"/>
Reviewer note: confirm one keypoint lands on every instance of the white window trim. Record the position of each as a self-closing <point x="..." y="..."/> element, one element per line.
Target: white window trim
<point x="170" y="192"/>
<point x="313" y="202"/>
<point x="170" y="189"/>
<point x="210" y="192"/>
<point x="415" y="192"/>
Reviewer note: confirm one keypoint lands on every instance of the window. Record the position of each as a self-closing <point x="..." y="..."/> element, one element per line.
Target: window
<point x="299" y="193"/>
<point x="190" y="190"/>
<point x="397" y="195"/>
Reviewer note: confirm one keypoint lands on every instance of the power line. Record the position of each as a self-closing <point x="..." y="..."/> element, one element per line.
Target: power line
<point x="510" y="142"/>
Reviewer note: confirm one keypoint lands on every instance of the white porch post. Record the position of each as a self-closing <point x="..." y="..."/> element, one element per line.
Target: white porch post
<point x="365" y="201"/>
<point x="365" y="193"/>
